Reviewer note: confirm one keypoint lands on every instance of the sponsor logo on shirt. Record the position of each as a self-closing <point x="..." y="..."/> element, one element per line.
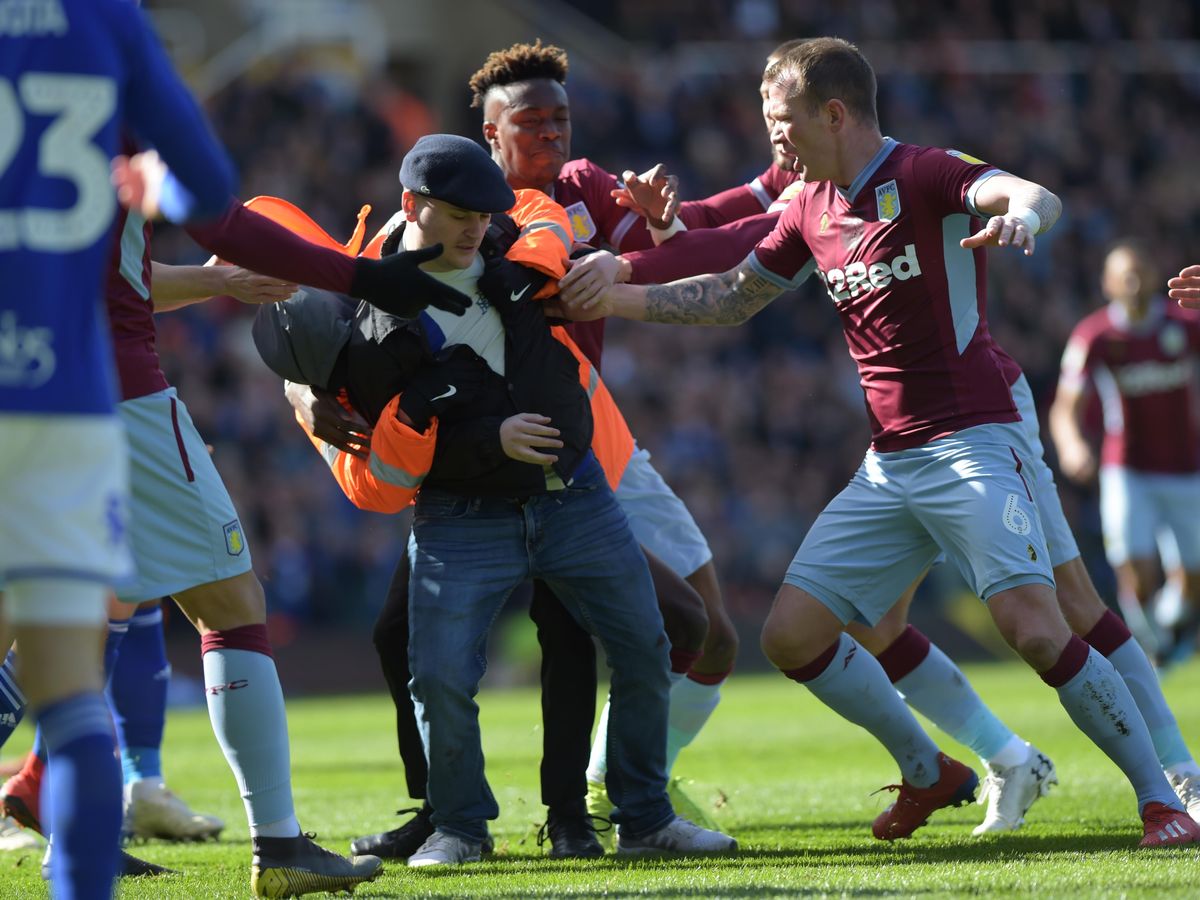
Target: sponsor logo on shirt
<point x="582" y="227"/>
<point x="27" y="357"/>
<point x="887" y="201"/>
<point x="861" y="277"/>
<point x="1152" y="377"/>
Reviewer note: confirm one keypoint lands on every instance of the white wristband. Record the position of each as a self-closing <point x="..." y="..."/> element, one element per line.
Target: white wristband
<point x="658" y="235"/>
<point x="1031" y="219"/>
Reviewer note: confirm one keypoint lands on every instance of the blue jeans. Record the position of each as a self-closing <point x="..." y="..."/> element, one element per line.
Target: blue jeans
<point x="468" y="555"/>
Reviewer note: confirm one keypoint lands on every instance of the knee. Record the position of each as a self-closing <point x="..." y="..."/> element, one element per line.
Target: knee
<point x="1041" y="651"/>
<point x="785" y="647"/>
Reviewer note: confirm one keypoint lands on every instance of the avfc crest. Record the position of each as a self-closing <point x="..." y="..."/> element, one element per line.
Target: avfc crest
<point x="583" y="229"/>
<point x="887" y="201"/>
<point x="1172" y="339"/>
<point x="235" y="543"/>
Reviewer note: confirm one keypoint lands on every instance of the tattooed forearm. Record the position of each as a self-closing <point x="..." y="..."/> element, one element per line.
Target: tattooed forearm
<point x="727" y="299"/>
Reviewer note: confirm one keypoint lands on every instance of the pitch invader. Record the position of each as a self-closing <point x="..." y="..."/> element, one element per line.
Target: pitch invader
<point x="893" y="230"/>
<point x="1139" y="352"/>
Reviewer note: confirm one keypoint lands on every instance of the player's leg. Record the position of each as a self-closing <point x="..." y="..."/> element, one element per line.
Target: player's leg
<point x="189" y="544"/>
<point x="588" y="555"/>
<point x="1128" y="519"/>
<point x="139" y="675"/>
<point x="860" y="554"/>
<point x="391" y="644"/>
<point x="930" y="682"/>
<point x="973" y="497"/>
<point x="56" y="561"/>
<point x="1088" y="617"/>
<point x="663" y="526"/>
<point x="686" y="624"/>
<point x="1177" y="498"/>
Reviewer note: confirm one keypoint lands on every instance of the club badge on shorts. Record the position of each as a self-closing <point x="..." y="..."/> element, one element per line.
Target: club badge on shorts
<point x="235" y="543"/>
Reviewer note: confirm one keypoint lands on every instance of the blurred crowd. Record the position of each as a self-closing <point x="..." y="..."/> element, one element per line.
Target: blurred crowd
<point x="755" y="427"/>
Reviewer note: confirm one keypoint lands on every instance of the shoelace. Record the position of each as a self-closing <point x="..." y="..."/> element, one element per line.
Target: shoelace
<point x="543" y="834"/>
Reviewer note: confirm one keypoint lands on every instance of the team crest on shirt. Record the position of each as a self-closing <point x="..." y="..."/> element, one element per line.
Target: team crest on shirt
<point x="234" y="542"/>
<point x="583" y="229"/>
<point x="887" y="201"/>
<point x="1172" y="340"/>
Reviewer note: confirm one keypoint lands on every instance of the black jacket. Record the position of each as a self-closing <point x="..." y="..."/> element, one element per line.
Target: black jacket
<point x="384" y="351"/>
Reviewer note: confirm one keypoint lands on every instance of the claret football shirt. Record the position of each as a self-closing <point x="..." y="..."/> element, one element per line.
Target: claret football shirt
<point x="911" y="300"/>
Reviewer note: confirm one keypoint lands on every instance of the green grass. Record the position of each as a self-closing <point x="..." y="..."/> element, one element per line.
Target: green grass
<point x="792" y="781"/>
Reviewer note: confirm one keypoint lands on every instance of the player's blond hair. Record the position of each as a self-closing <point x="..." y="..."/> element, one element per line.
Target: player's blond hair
<point x="520" y="62"/>
<point x="827" y="68"/>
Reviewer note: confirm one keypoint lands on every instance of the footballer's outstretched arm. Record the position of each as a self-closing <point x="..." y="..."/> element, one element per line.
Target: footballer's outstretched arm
<point x="1018" y="210"/>
<point x="172" y="287"/>
<point x="730" y="298"/>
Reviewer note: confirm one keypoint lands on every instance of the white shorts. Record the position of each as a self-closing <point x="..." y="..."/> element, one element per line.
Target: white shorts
<point x="660" y="521"/>
<point x="966" y="494"/>
<point x="184" y="529"/>
<point x="64" y="484"/>
<point x="1059" y="539"/>
<point x="1135" y="507"/>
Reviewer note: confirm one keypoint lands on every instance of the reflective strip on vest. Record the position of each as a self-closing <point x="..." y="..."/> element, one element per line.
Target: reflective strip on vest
<point x="557" y="229"/>
<point x="394" y="475"/>
<point x="330" y="453"/>
<point x="593" y="381"/>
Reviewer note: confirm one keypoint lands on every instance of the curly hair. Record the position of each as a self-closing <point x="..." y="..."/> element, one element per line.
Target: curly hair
<point x="520" y="62"/>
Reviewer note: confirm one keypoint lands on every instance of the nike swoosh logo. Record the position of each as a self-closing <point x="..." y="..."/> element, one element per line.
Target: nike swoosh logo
<point x="517" y="295"/>
<point x="450" y="393"/>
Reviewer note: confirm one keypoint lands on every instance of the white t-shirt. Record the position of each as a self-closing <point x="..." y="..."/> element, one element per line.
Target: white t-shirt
<point x="480" y="327"/>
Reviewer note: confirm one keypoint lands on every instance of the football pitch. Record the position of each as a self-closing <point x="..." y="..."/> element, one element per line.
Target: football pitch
<point x="784" y="775"/>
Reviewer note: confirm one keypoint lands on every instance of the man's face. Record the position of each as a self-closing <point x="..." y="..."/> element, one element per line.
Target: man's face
<point x="528" y="128"/>
<point x="799" y="133"/>
<point x="1128" y="278"/>
<point x="782" y="157"/>
<point x="459" y="231"/>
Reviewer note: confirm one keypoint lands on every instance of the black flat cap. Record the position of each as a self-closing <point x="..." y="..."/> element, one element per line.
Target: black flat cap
<point x="300" y="338"/>
<point x="457" y="170"/>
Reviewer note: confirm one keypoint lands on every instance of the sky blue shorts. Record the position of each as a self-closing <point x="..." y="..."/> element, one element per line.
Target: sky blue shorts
<point x="1059" y="537"/>
<point x="184" y="529"/>
<point x="659" y="520"/>
<point x="969" y="494"/>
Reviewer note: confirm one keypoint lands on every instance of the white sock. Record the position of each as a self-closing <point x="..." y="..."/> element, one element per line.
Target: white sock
<point x="692" y="703"/>
<point x="597" y="768"/>
<point x="1015" y="752"/>
<point x="284" y="828"/>
<point x="1183" y="769"/>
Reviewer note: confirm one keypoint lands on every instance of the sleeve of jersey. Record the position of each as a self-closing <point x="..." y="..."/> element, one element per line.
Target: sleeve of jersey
<point x="1076" y="362"/>
<point x="389" y="479"/>
<point x="161" y="111"/>
<point x="544" y="242"/>
<point x="949" y="179"/>
<point x="703" y="251"/>
<point x="783" y="257"/>
<point x="720" y="209"/>
<point x="252" y="241"/>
